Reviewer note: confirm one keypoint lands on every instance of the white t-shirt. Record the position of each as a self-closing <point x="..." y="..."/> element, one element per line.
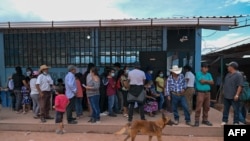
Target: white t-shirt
<point x="33" y="86"/>
<point x="11" y="84"/>
<point x="191" y="78"/>
<point x="44" y="82"/>
<point x="136" y="77"/>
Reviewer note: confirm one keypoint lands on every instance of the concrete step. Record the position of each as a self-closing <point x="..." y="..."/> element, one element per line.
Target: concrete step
<point x="10" y="121"/>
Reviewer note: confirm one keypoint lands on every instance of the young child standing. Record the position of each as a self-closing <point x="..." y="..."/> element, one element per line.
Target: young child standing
<point x="111" y="93"/>
<point x="26" y="102"/>
<point x="61" y="102"/>
<point x="79" y="96"/>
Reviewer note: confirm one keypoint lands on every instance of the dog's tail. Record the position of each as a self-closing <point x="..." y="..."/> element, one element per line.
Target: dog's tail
<point x="123" y="129"/>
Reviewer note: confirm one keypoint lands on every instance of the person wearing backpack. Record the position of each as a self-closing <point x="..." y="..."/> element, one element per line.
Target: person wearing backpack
<point x="244" y="97"/>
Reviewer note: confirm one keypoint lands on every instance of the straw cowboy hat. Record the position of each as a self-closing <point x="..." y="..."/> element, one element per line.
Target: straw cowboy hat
<point x="175" y="69"/>
<point x="43" y="67"/>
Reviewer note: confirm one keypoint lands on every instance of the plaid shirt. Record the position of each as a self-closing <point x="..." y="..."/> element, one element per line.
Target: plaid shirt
<point x="175" y="85"/>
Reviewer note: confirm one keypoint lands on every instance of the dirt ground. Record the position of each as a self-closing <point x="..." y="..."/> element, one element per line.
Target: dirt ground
<point x="49" y="136"/>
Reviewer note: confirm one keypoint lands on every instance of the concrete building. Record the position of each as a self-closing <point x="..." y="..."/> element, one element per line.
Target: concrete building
<point x="159" y="43"/>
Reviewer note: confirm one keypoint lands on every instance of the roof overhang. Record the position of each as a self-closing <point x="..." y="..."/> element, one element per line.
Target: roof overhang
<point x="212" y="23"/>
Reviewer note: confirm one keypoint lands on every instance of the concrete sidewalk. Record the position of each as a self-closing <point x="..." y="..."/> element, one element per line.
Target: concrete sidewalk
<point x="10" y="121"/>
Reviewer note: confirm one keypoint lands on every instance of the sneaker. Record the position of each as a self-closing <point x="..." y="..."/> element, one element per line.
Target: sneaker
<point x="103" y="114"/>
<point x="64" y="131"/>
<point x="118" y="112"/>
<point x="43" y="120"/>
<point x="59" y="131"/>
<point x="72" y="122"/>
<point x="207" y="123"/>
<point x="188" y="123"/>
<point x="112" y="115"/>
<point x="18" y="112"/>
<point x="196" y="124"/>
<point x="223" y="123"/>
<point x="176" y="122"/>
<point x="49" y="117"/>
<point x="35" y="117"/>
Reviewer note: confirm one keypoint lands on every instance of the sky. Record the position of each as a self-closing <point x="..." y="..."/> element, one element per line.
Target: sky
<point x="65" y="10"/>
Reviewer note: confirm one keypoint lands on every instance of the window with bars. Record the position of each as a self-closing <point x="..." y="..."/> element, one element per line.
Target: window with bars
<point x="56" y="48"/>
<point x="123" y="44"/>
<point x="60" y="47"/>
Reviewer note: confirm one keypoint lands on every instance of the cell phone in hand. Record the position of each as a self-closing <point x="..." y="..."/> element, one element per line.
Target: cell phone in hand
<point x="84" y="85"/>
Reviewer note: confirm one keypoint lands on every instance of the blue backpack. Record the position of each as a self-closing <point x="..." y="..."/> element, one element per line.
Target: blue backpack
<point x="245" y="95"/>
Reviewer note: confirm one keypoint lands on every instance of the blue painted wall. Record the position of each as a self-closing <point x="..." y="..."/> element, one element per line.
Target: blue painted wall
<point x="2" y="65"/>
<point x="197" y="59"/>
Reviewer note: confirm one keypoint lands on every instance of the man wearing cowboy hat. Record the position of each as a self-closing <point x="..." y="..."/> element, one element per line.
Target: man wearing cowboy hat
<point x="44" y="84"/>
<point x="175" y="89"/>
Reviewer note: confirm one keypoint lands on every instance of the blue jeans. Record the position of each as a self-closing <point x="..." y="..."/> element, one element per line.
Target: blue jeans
<point x="94" y="102"/>
<point x="235" y="105"/>
<point x="111" y="103"/>
<point x="78" y="103"/>
<point x="161" y="100"/>
<point x="175" y="102"/>
<point x="242" y="112"/>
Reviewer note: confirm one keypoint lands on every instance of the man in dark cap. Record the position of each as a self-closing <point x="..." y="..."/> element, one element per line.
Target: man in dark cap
<point x="232" y="88"/>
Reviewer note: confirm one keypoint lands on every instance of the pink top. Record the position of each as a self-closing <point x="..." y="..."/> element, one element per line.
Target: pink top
<point x="79" y="92"/>
<point x="61" y="102"/>
<point x="111" y="88"/>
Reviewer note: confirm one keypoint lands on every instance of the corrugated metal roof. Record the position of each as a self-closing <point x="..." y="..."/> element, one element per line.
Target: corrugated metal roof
<point x="239" y="44"/>
<point x="181" y="21"/>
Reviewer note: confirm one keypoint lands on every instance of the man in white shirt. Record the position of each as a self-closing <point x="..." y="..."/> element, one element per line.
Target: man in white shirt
<point x="44" y="84"/>
<point x="136" y="94"/>
<point x="189" y="92"/>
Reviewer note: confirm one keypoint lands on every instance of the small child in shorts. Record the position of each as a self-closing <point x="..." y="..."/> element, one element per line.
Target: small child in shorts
<point x="26" y="102"/>
<point x="61" y="102"/>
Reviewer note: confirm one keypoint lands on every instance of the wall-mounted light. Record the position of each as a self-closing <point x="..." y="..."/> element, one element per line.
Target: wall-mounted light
<point x="183" y="38"/>
<point x="152" y="59"/>
<point x="88" y="37"/>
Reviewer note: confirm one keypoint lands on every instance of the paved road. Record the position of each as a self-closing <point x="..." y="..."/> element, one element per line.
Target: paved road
<point x="49" y="136"/>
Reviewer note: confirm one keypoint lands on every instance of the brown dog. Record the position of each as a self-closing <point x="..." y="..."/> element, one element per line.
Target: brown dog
<point x="150" y="128"/>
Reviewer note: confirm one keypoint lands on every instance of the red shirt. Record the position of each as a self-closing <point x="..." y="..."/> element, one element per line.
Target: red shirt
<point x="61" y="102"/>
<point x="111" y="88"/>
<point x="79" y="88"/>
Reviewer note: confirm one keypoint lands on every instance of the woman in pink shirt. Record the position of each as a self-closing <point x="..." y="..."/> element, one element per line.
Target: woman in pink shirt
<point x="61" y="102"/>
<point x="79" y="96"/>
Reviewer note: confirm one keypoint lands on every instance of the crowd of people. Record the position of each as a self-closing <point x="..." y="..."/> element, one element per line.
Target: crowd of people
<point x="120" y="91"/>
